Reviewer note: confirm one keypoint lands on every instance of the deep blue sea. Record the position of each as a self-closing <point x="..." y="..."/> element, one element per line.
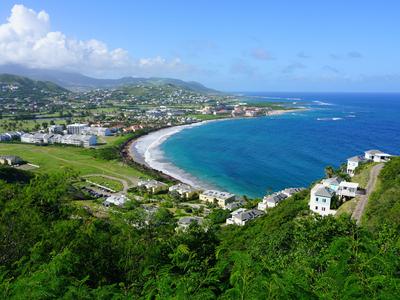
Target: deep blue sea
<point x="256" y="155"/>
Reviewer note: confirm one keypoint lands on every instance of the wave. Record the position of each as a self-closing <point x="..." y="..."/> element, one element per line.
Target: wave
<point x="329" y="119"/>
<point x="323" y="103"/>
<point x="350" y="116"/>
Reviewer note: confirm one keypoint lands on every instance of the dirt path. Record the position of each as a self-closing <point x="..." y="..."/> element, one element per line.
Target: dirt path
<point x="362" y="203"/>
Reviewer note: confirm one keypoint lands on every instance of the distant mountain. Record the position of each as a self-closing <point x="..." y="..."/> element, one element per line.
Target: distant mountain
<point x="79" y="82"/>
<point x="13" y="86"/>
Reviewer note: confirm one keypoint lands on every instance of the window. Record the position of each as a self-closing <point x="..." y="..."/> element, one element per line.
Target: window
<point x="316" y="199"/>
<point x="323" y="208"/>
<point x="323" y="200"/>
<point x="316" y="208"/>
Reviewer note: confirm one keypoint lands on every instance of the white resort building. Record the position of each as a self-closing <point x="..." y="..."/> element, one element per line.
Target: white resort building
<point x="241" y="216"/>
<point x="153" y="186"/>
<point x="274" y="199"/>
<point x="217" y="197"/>
<point x="320" y="200"/>
<point x="118" y="200"/>
<point x="377" y="156"/>
<point x="183" y="190"/>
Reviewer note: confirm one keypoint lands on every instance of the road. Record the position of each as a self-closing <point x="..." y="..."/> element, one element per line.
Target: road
<point x="362" y="203"/>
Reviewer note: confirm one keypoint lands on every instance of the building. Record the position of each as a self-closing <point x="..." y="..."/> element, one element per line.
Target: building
<point x="332" y="183"/>
<point x="321" y="198"/>
<point x="79" y="140"/>
<point x="291" y="191"/>
<point x="235" y="204"/>
<point x="185" y="222"/>
<point x="242" y="216"/>
<point x="270" y="201"/>
<point x="76" y="128"/>
<point x="184" y="190"/>
<point x="348" y="189"/>
<point x="98" y="131"/>
<point x="153" y="186"/>
<point x="56" y="129"/>
<point x="118" y="200"/>
<point x="10" y="160"/>
<point x="353" y="163"/>
<point x="377" y="156"/>
<point x="217" y="197"/>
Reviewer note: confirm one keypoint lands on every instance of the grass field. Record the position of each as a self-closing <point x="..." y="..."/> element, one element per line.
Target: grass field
<point x="110" y="183"/>
<point x="362" y="175"/>
<point x="53" y="158"/>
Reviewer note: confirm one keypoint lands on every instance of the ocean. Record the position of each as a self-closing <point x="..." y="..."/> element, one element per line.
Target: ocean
<point x="256" y="156"/>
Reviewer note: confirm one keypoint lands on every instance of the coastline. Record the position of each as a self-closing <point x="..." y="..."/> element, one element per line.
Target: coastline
<point x="146" y="151"/>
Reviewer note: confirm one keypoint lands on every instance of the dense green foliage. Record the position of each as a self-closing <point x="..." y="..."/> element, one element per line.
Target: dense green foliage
<point x="50" y="249"/>
<point x="384" y="206"/>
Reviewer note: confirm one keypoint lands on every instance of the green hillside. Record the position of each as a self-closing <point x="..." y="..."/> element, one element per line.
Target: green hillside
<point x="51" y="249"/>
<point x="16" y="88"/>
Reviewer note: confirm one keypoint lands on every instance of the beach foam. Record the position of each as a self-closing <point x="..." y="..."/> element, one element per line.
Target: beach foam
<point x="147" y="150"/>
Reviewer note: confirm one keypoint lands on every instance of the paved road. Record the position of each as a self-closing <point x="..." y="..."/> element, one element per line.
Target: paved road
<point x="362" y="203"/>
<point x="124" y="182"/>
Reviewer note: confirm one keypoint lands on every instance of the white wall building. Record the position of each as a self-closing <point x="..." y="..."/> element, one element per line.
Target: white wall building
<point x="56" y="129"/>
<point x="184" y="190"/>
<point x="377" y="156"/>
<point x="217" y="197"/>
<point x="353" y="163"/>
<point x="332" y="183"/>
<point x="348" y="189"/>
<point x="76" y="128"/>
<point x="153" y="186"/>
<point x="241" y="216"/>
<point x="118" y="200"/>
<point x="185" y="222"/>
<point x="320" y="200"/>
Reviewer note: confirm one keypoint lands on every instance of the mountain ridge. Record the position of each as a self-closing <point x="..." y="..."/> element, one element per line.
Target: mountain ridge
<point x="79" y="82"/>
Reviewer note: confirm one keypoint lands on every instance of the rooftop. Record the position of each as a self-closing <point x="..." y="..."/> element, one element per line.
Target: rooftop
<point x="218" y="194"/>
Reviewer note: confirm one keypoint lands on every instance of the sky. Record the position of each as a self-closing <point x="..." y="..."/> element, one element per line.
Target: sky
<point x="337" y="45"/>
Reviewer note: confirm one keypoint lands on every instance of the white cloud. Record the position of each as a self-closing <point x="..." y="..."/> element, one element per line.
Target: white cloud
<point x="26" y="39"/>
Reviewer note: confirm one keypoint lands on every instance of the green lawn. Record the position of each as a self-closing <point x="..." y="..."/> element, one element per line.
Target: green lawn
<point x="347" y="207"/>
<point x="52" y="158"/>
<point x="110" y="183"/>
<point x="362" y="174"/>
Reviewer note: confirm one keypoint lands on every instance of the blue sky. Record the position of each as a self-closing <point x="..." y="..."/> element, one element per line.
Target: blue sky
<point x="228" y="45"/>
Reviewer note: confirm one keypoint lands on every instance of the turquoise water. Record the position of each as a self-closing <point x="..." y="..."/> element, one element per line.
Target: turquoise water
<point x="256" y="155"/>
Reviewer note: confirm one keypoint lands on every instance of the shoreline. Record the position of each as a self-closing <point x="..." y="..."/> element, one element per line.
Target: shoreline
<point x="146" y="151"/>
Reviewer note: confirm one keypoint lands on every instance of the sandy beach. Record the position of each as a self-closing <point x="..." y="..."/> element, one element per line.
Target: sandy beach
<point x="146" y="150"/>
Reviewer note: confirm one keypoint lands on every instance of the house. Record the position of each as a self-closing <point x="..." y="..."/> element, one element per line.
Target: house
<point x="348" y="189"/>
<point x="56" y="129"/>
<point x="332" y="183"/>
<point x="10" y="160"/>
<point x="184" y="222"/>
<point x="242" y="216"/>
<point x="271" y="200"/>
<point x="321" y="198"/>
<point x="291" y="191"/>
<point x="76" y="128"/>
<point x="353" y="163"/>
<point x="27" y="138"/>
<point x="79" y="140"/>
<point x="118" y="200"/>
<point x="184" y="190"/>
<point x="235" y="204"/>
<point x="98" y="131"/>
<point x="377" y="156"/>
<point x="153" y="186"/>
<point x="217" y="197"/>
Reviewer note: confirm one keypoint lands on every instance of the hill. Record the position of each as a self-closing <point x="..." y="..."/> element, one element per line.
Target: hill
<point x="14" y="88"/>
<point x="51" y="249"/>
<point x="79" y="82"/>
